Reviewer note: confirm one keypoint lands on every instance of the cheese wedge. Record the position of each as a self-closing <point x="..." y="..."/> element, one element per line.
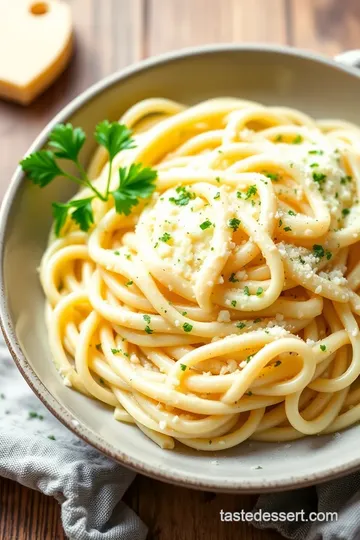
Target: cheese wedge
<point x="36" y="42"/>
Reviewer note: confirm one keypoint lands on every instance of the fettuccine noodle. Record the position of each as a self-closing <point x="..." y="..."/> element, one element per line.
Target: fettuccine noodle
<point x="225" y="307"/>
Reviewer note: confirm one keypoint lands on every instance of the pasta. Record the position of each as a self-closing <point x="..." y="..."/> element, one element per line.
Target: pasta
<point x="225" y="307"/>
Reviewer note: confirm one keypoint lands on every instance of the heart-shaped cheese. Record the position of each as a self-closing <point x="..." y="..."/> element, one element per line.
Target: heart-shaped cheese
<point x="35" y="44"/>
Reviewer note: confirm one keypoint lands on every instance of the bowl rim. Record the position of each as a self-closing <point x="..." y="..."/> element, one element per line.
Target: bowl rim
<point x="236" y="485"/>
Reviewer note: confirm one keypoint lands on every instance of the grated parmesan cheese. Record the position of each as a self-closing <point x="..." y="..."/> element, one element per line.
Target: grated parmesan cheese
<point x="224" y="316"/>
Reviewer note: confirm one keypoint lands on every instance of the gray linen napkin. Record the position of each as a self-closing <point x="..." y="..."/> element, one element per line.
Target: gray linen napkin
<point x="341" y="496"/>
<point x="39" y="452"/>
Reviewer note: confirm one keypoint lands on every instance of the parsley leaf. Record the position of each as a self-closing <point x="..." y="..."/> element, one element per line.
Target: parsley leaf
<point x="41" y="167"/>
<point x="114" y="137"/>
<point x="165" y="237"/>
<point x="187" y="327"/>
<point x="138" y="180"/>
<point x="298" y="139"/>
<point x="318" y="250"/>
<point x="252" y="190"/>
<point x="205" y="225"/>
<point x="234" y="224"/>
<point x="273" y="176"/>
<point x="134" y="183"/>
<point x="319" y="178"/>
<point x="67" y="141"/>
<point x="60" y="213"/>
<point x="83" y="215"/>
<point x="184" y="196"/>
<point x="345" y="179"/>
<point x="33" y="414"/>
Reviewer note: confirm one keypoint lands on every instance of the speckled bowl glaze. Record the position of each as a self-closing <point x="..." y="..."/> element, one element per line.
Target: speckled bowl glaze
<point x="272" y="75"/>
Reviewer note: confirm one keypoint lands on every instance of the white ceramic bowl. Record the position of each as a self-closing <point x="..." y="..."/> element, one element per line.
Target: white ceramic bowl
<point x="272" y="75"/>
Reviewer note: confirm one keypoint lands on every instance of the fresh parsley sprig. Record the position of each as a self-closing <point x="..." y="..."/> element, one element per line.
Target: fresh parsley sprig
<point x="65" y="142"/>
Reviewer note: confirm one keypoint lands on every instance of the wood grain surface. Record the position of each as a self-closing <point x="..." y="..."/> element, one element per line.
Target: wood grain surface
<point x="111" y="34"/>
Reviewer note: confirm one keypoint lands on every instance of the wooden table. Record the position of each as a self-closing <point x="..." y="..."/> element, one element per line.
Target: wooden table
<point x="110" y="35"/>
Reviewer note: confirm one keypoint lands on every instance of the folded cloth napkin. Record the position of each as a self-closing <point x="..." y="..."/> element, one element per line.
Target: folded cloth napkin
<point x="39" y="452"/>
<point x="341" y="496"/>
